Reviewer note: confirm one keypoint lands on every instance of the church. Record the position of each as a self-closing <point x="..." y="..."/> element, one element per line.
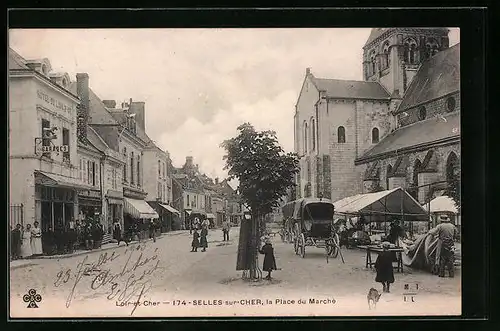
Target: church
<point x="398" y="127"/>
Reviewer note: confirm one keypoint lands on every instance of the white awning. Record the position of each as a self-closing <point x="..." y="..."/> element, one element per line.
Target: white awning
<point x="188" y="212"/>
<point x="139" y="209"/>
<point x="210" y="215"/>
<point x="170" y="209"/>
<point x="442" y="204"/>
<point x="393" y="202"/>
<point x="50" y="179"/>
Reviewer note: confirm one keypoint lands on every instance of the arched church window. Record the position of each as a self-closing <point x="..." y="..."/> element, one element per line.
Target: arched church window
<point x="422" y="113"/>
<point x="341" y="135"/>
<point x="313" y="134"/>
<point x="375" y="135"/>
<point x="410" y="50"/>
<point x="432" y="47"/>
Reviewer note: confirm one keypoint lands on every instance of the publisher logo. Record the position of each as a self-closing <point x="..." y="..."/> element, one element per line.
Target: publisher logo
<point x="32" y="298"/>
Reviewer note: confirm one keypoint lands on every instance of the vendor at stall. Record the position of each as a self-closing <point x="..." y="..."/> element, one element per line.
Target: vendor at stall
<point x="395" y="232"/>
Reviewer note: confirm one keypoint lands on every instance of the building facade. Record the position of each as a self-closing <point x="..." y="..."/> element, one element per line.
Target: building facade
<point x="43" y="161"/>
<point x="346" y="130"/>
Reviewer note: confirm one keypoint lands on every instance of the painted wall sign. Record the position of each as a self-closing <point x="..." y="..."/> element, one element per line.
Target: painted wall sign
<point x="56" y="104"/>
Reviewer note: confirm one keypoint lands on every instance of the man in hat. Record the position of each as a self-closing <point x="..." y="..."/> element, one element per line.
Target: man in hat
<point x="446" y="232"/>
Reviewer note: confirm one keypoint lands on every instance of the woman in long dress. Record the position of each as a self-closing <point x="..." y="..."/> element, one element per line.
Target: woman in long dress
<point x="36" y="239"/>
<point x="26" y="242"/>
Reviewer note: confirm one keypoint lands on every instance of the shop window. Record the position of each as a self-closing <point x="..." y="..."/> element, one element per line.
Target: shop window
<point x="375" y="135"/>
<point x="341" y="135"/>
<point x="65" y="137"/>
<point x="422" y="113"/>
<point x="450" y="104"/>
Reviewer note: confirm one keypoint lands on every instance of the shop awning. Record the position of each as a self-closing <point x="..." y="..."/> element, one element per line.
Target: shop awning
<point x="50" y="179"/>
<point x="395" y="202"/>
<point x="139" y="209"/>
<point x="170" y="209"/>
<point x="188" y="212"/>
<point x="210" y="215"/>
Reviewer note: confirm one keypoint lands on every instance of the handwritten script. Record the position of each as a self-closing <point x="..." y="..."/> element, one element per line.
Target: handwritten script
<point x="123" y="277"/>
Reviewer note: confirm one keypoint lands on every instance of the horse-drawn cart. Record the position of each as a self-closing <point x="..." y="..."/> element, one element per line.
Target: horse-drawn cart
<point x="311" y="222"/>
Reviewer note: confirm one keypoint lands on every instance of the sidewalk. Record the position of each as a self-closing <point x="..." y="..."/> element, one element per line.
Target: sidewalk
<point x="33" y="261"/>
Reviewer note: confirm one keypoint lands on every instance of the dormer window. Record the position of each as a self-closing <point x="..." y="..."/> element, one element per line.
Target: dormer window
<point x="45" y="71"/>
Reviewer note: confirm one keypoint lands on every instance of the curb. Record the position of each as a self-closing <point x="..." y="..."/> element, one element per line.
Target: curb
<point x="65" y="256"/>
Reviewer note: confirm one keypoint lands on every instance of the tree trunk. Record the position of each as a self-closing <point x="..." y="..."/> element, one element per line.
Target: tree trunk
<point x="253" y="247"/>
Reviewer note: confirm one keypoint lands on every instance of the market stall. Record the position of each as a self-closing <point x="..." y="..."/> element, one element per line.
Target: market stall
<point x="443" y="205"/>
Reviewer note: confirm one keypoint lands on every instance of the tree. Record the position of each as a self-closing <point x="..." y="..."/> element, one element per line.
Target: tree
<point x="265" y="173"/>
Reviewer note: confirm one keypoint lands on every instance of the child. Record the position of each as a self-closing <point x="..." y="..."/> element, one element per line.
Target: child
<point x="269" y="260"/>
<point x="196" y="242"/>
<point x="383" y="265"/>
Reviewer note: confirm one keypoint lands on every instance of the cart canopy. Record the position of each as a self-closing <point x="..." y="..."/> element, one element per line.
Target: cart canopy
<point x="442" y="204"/>
<point x="395" y="202"/>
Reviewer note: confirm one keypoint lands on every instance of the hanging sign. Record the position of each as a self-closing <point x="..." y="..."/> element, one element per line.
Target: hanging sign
<point x="53" y="149"/>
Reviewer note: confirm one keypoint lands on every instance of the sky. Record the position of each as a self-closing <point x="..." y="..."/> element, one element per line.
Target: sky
<point x="200" y="84"/>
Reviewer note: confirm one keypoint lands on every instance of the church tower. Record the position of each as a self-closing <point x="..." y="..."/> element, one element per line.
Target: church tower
<point x="392" y="56"/>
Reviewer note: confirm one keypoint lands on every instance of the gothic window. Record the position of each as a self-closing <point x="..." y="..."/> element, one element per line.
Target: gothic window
<point x="450" y="104"/>
<point x="375" y="135"/>
<point x="422" y="113"/>
<point x="432" y="47"/>
<point x="341" y="135"/>
<point x="410" y="48"/>
<point x="305" y="137"/>
<point x="386" y="58"/>
<point x="313" y="134"/>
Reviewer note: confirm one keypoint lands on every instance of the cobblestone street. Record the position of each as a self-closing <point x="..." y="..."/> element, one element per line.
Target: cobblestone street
<point x="206" y="283"/>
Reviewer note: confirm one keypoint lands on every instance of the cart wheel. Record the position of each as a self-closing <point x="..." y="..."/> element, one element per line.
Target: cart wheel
<point x="335" y="246"/>
<point x="296" y="245"/>
<point x="302" y="245"/>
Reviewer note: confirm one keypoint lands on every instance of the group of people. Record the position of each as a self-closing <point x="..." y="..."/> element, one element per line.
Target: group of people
<point x="26" y="241"/>
<point x="200" y="239"/>
<point x="446" y="233"/>
<point x="140" y="230"/>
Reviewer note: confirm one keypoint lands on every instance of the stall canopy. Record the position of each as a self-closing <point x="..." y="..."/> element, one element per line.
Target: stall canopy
<point x="170" y="209"/>
<point x="139" y="209"/>
<point x="442" y="204"/>
<point x="395" y="202"/>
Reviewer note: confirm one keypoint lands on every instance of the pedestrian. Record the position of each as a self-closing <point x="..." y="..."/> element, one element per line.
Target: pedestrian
<point x="26" y="251"/>
<point x="16" y="241"/>
<point x="395" y="232"/>
<point x="152" y="230"/>
<point x="196" y="223"/>
<point x="97" y="233"/>
<point x="203" y="238"/>
<point x="269" y="260"/>
<point x="446" y="233"/>
<point x="36" y="240"/>
<point x="225" y="230"/>
<point x="71" y="235"/>
<point x="196" y="241"/>
<point x="89" y="240"/>
<point x="384" y="268"/>
<point x="118" y="233"/>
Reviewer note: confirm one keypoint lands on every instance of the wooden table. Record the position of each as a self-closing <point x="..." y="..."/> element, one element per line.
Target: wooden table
<point x="370" y="248"/>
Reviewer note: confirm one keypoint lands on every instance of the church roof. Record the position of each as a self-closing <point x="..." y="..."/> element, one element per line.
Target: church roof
<point x="420" y="133"/>
<point x="437" y="77"/>
<point x="375" y="33"/>
<point x="351" y="89"/>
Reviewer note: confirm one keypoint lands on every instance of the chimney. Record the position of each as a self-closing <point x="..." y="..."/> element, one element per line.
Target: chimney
<point x="216" y="181"/>
<point x="308" y="71"/>
<point x="109" y="103"/>
<point x="138" y="108"/>
<point x="189" y="161"/>
<point x="82" y="90"/>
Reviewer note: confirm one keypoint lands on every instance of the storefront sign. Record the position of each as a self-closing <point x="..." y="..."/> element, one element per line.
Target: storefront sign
<point x="55" y="104"/>
<point x="90" y="194"/>
<point x="53" y="148"/>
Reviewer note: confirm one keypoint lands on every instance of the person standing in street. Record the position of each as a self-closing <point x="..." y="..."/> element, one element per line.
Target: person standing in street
<point x="118" y="233"/>
<point x="269" y="260"/>
<point x="16" y="240"/>
<point x="225" y="229"/>
<point x="152" y="230"/>
<point x="203" y="238"/>
<point x="26" y="251"/>
<point x="36" y="239"/>
<point x="196" y="241"/>
<point x="384" y="268"/>
<point x="446" y="232"/>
